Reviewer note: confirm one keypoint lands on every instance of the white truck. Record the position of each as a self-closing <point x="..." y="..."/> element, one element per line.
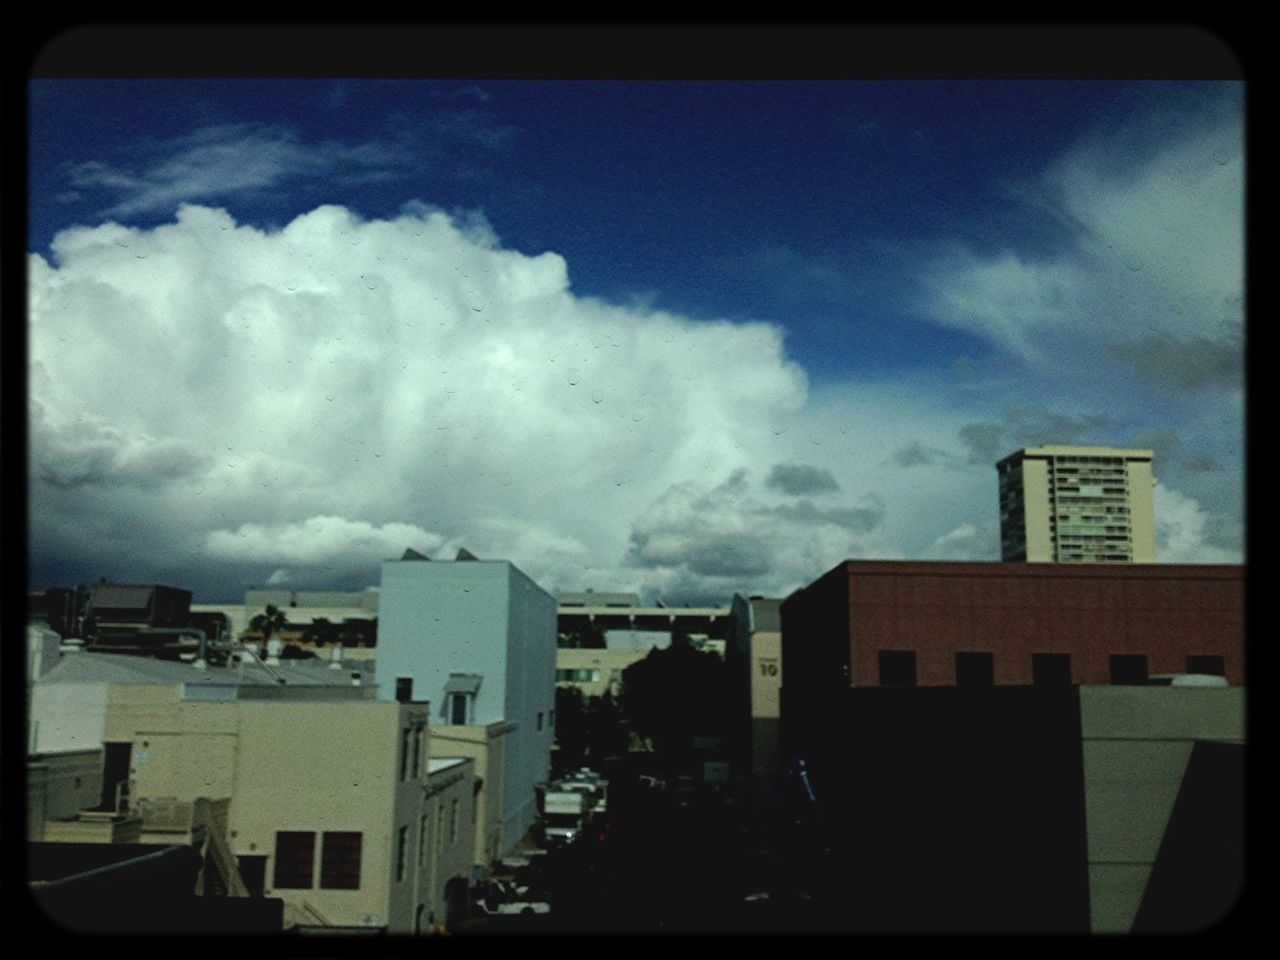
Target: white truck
<point x="563" y="815"/>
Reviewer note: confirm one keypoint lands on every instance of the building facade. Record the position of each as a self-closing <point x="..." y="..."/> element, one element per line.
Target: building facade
<point x="478" y="639"/>
<point x="756" y="649"/>
<point x="908" y="623"/>
<point x="1062" y="504"/>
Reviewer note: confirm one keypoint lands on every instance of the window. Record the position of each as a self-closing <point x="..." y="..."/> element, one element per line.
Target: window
<point x="975" y="670"/>
<point x="1206" y="664"/>
<point x="404" y="753"/>
<point x="422" y="841"/>
<point x="295" y="860"/>
<point x="402" y="841"/>
<point x="1051" y="669"/>
<point x="453" y="823"/>
<point x="458" y="709"/>
<point x="417" y="751"/>
<point x="439" y="826"/>
<point x="898" y="668"/>
<point x="1128" y="668"/>
<point x="539" y="719"/>
<point x="340" y="861"/>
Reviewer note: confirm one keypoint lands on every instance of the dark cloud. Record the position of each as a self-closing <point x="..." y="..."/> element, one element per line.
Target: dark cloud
<point x="1199" y="363"/>
<point x="854" y="519"/>
<point x="1163" y="442"/>
<point x="1027" y="426"/>
<point x="796" y="479"/>
<point x="916" y="454"/>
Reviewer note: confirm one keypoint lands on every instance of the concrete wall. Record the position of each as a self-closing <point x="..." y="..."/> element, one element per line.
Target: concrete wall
<point x="448" y="850"/>
<point x="60" y="785"/>
<point x="66" y="717"/>
<point x="486" y="618"/>
<point x="606" y="661"/>
<point x="486" y="748"/>
<point x="1137" y="742"/>
<point x="437" y="618"/>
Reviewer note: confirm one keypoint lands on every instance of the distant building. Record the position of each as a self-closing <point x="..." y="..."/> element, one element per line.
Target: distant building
<point x="478" y="639"/>
<point x="1077" y="505"/>
<point x="756" y="650"/>
<point x="623" y="611"/>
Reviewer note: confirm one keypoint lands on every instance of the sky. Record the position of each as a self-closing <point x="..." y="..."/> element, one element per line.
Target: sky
<point x="684" y="338"/>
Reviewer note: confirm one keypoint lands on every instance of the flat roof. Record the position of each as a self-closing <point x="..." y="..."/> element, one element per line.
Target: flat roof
<point x="1001" y="568"/>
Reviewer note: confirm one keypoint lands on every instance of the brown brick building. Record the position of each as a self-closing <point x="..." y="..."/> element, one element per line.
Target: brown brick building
<point x="906" y="623"/>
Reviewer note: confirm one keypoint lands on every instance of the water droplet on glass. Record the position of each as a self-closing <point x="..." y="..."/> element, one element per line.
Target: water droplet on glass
<point x="637" y="417"/>
<point x="371" y="283"/>
<point x="596" y="396"/>
<point x="121" y="242"/>
<point x="291" y="286"/>
<point x="779" y="429"/>
<point x="142" y="256"/>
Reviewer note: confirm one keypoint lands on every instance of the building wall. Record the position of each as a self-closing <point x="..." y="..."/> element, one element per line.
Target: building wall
<point x="289" y="766"/>
<point x="437" y="618"/>
<point x="486" y="748"/>
<point x="1013" y="611"/>
<point x="448" y="851"/>
<point x="530" y="700"/>
<point x="486" y="618"/>
<point x="609" y="663"/>
<point x="66" y="717"/>
<point x="1137" y="742"/>
<point x="60" y="785"/>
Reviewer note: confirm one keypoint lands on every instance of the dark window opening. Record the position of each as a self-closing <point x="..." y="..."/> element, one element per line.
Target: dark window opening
<point x="404" y="689"/>
<point x="295" y="860"/>
<point x="1128" y="668"/>
<point x="975" y="670"/>
<point x="1051" y="669"/>
<point x="1206" y="664"/>
<point x="898" y="668"/>
<point x="340" y="861"/>
<point x="402" y="842"/>
<point x="458" y="709"/>
<point x="253" y="871"/>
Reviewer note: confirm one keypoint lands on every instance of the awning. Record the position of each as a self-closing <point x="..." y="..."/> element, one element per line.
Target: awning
<point x="463" y="683"/>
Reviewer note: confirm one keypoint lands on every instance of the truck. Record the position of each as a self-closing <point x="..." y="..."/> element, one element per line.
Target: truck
<point x="564" y="813"/>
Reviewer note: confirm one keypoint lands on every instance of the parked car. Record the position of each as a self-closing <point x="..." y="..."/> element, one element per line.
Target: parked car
<point x="507" y="898"/>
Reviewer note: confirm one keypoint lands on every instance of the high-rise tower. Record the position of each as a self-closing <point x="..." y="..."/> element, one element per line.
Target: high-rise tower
<point x="1077" y="505"/>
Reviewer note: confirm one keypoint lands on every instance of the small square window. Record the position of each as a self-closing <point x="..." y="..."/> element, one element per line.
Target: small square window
<point x="1206" y="664"/>
<point x="1051" y="669"/>
<point x="975" y="669"/>
<point x="340" y="861"/>
<point x="898" y="668"/>
<point x="1128" y="668"/>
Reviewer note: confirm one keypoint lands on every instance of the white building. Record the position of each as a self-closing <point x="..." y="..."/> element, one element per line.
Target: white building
<point x="478" y="639"/>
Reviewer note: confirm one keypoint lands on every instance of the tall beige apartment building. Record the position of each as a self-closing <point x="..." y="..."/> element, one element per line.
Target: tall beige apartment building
<point x="1077" y="505"/>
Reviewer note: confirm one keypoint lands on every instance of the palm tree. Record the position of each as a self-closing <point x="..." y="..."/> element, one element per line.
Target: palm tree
<point x="272" y="621"/>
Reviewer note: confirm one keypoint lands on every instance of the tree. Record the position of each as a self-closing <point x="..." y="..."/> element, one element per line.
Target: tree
<point x="272" y="621"/>
<point x="581" y="632"/>
<point x="676" y="694"/>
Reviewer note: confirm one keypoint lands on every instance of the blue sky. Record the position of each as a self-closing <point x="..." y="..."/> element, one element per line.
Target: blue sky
<point x="679" y="337"/>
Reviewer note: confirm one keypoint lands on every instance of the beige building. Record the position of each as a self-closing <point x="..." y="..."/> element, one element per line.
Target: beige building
<point x="293" y="779"/>
<point x="594" y="671"/>
<point x="485" y="745"/>
<point x="757" y="648"/>
<point x="1063" y="504"/>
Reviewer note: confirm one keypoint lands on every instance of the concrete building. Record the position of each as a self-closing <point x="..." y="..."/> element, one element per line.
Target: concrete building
<point x="1077" y="505"/>
<point x="623" y="611"/>
<point x="327" y="794"/>
<point x="1027" y="809"/>
<point x="477" y="638"/>
<point x="350" y="614"/>
<point x="756" y="651"/>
